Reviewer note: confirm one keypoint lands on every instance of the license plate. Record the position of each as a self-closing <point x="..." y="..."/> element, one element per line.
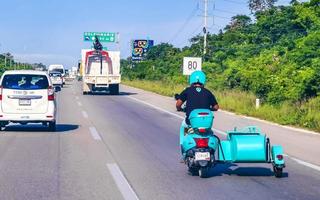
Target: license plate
<point x="24" y="102"/>
<point x="202" y="156"/>
<point x="25" y="117"/>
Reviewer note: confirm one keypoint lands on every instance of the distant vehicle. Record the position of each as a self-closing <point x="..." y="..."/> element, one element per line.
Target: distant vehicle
<point x="56" y="79"/>
<point x="57" y="68"/>
<point x="73" y="72"/>
<point x="27" y="96"/>
<point x="100" y="71"/>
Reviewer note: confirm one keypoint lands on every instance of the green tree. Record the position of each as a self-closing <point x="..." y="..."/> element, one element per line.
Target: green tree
<point x="260" y="5"/>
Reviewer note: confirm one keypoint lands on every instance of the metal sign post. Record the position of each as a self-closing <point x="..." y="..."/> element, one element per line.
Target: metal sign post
<point x="98" y="47"/>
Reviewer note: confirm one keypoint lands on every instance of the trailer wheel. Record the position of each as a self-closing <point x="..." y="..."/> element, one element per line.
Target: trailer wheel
<point x="277" y="171"/>
<point x="114" y="89"/>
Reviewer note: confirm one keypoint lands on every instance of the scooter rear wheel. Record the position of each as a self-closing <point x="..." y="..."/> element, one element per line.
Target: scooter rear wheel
<point x="193" y="171"/>
<point x="203" y="172"/>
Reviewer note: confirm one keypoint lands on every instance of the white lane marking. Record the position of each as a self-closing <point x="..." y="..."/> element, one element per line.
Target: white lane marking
<point x="85" y="114"/>
<point x="301" y="162"/>
<point x="170" y="113"/>
<point x="316" y="167"/>
<point x="94" y="133"/>
<point x="79" y="103"/>
<point x="121" y="182"/>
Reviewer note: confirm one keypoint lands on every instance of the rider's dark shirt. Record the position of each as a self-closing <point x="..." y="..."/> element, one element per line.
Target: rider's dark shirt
<point x="197" y="97"/>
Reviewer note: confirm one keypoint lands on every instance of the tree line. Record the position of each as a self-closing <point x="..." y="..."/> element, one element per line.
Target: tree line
<point x="276" y="55"/>
<point x="7" y="62"/>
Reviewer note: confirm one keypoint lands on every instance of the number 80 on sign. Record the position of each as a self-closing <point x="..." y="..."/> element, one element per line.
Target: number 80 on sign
<point x="191" y="64"/>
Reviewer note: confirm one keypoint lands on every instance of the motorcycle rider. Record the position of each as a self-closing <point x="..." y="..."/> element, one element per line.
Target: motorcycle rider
<point x="196" y="96"/>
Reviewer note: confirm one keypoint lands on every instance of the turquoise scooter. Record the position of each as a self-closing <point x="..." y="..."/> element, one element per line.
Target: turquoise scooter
<point x="202" y="149"/>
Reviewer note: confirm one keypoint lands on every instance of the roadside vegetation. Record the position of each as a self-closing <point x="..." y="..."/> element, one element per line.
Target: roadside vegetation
<point x="275" y="57"/>
<point x="7" y="62"/>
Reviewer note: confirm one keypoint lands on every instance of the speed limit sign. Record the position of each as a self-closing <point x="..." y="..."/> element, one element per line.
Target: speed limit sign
<point x="191" y="64"/>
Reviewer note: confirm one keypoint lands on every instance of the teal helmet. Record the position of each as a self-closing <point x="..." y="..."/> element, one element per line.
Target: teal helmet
<point x="197" y="77"/>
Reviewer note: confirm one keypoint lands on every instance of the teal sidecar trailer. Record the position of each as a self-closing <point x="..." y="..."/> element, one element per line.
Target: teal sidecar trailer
<point x="250" y="145"/>
<point x="201" y="149"/>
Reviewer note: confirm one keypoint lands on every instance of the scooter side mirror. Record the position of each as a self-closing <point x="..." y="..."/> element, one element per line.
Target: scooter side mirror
<point x="176" y="96"/>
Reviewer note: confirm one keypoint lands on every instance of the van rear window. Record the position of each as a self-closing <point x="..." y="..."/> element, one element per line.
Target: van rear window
<point x="55" y="75"/>
<point x="57" y="70"/>
<point x="25" y="82"/>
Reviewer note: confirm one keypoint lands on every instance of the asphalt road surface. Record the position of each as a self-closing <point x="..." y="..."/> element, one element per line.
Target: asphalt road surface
<point x="126" y="147"/>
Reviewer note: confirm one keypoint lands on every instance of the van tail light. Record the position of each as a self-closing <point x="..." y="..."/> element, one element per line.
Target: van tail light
<point x="50" y="93"/>
<point x="0" y="93"/>
<point x="201" y="142"/>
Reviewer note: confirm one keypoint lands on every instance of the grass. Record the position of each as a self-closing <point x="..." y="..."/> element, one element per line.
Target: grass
<point x="305" y="115"/>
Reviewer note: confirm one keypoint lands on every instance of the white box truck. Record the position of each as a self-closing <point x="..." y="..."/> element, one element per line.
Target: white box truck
<point x="100" y="71"/>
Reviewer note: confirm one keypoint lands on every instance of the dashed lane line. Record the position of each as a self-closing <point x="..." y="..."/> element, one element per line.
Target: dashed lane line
<point x="85" y="114"/>
<point x="94" y="133"/>
<point x="79" y="103"/>
<point x="121" y="182"/>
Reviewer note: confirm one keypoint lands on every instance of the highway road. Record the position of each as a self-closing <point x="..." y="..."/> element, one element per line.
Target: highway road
<point x="126" y="147"/>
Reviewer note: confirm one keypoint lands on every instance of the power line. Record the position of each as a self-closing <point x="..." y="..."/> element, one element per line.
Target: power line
<point x="222" y="17"/>
<point x="225" y="11"/>
<point x="236" y="2"/>
<point x="192" y="14"/>
<point x="192" y="33"/>
<point x="205" y="27"/>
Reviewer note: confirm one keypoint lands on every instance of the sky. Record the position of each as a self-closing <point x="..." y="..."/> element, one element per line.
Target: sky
<point x="51" y="31"/>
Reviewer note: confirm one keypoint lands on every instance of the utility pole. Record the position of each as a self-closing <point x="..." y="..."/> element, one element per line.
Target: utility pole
<point x="205" y="16"/>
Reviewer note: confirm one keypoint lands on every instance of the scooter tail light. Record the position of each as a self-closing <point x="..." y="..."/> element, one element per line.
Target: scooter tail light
<point x="203" y="113"/>
<point x="201" y="142"/>
<point x="50" y="93"/>
<point x="280" y="157"/>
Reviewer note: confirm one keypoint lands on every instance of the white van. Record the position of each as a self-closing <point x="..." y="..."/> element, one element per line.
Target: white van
<point x="57" y="68"/>
<point x="27" y="96"/>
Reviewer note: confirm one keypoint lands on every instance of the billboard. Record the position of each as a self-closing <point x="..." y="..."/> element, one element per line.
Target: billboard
<point x="140" y="49"/>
